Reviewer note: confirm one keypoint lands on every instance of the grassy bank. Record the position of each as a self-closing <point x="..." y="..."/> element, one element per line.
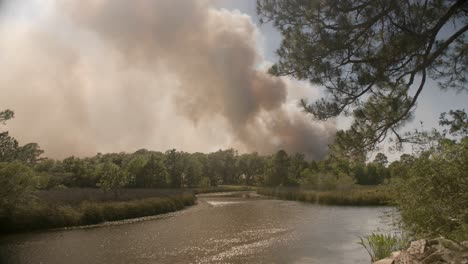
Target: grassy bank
<point x="40" y="215"/>
<point x="365" y="196"/>
<point x="85" y="206"/>
<point x="224" y="188"/>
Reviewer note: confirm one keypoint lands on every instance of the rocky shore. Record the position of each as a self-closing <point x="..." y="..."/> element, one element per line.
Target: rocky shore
<point x="425" y="251"/>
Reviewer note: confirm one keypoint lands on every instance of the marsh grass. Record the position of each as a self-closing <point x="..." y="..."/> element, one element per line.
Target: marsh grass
<point x="369" y="196"/>
<point x="223" y="188"/>
<point x="75" y="196"/>
<point x="40" y="215"/>
<point x="380" y="246"/>
<point x="86" y="206"/>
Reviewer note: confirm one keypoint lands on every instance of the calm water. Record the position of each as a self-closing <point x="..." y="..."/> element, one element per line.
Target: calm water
<point x="220" y="229"/>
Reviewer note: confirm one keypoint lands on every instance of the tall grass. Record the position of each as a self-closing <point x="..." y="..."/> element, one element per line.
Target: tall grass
<point x="39" y="215"/>
<point x="358" y="197"/>
<point x="292" y="194"/>
<point x="380" y="246"/>
<point x="223" y="188"/>
<point x="75" y="196"/>
<point x="85" y="206"/>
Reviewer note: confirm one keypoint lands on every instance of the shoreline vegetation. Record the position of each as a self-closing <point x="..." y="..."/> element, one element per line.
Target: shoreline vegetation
<point x="364" y="196"/>
<point x="55" y="209"/>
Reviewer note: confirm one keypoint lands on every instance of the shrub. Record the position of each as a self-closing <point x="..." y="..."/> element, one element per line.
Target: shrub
<point x="380" y="246"/>
<point x="433" y="197"/>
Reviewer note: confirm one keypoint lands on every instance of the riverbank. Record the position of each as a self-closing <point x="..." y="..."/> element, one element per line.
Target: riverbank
<point x="363" y="196"/>
<point x="86" y="206"/>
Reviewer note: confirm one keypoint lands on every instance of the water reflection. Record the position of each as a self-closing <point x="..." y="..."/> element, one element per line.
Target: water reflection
<point x="220" y="229"/>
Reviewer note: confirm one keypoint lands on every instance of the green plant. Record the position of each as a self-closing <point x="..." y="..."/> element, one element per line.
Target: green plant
<point x="432" y="199"/>
<point x="380" y="246"/>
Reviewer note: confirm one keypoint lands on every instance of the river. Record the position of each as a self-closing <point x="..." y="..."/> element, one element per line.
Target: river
<point x="221" y="228"/>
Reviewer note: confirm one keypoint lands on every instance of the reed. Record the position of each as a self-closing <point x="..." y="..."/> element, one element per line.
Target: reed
<point x="375" y="196"/>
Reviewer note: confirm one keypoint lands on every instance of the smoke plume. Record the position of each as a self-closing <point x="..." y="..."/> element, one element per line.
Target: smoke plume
<point x="87" y="76"/>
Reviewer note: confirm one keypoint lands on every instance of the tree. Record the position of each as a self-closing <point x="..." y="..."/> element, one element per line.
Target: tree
<point x="6" y="115"/>
<point x="153" y="174"/>
<point x="111" y="178"/>
<point x="192" y="171"/>
<point x="381" y="159"/>
<point x="297" y="165"/>
<point x="134" y="168"/>
<point x="229" y="173"/>
<point x="175" y="167"/>
<point x="214" y="167"/>
<point x="278" y="169"/>
<point x="84" y="172"/>
<point x="8" y="147"/>
<point x="16" y="186"/>
<point x="458" y="124"/>
<point x="250" y="165"/>
<point x="29" y="153"/>
<point x="373" y="57"/>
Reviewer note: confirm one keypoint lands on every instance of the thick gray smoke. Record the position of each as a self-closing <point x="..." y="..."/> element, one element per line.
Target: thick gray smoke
<point x="87" y="76"/>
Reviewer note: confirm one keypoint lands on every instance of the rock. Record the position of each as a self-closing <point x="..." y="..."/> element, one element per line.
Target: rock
<point x="395" y="254"/>
<point x="417" y="247"/>
<point x="384" y="261"/>
<point x="434" y="251"/>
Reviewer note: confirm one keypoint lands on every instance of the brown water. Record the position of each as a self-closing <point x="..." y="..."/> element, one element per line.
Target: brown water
<point x="220" y="229"/>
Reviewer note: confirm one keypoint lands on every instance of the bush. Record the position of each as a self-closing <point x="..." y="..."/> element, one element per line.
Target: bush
<point x="433" y="197"/>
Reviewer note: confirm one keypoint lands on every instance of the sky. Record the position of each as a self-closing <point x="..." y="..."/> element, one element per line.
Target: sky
<point x="94" y="76"/>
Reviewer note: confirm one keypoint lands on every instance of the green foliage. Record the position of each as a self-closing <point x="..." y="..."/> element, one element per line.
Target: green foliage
<point x="134" y="168"/>
<point x="153" y="174"/>
<point x="16" y="186"/>
<point x="372" y="57"/>
<point x="356" y="196"/>
<point x="205" y="182"/>
<point x="83" y="172"/>
<point x="112" y="178"/>
<point x="250" y="165"/>
<point x="43" y="216"/>
<point x="292" y="194"/>
<point x="174" y="164"/>
<point x="193" y="172"/>
<point x="381" y="159"/>
<point x="380" y="246"/>
<point x="353" y="197"/>
<point x="433" y="197"/>
<point x="29" y="153"/>
<point x="277" y="170"/>
<point x="8" y="147"/>
<point x="458" y="124"/>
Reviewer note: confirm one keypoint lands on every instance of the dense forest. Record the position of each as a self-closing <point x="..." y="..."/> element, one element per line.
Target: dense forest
<point x="178" y="169"/>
